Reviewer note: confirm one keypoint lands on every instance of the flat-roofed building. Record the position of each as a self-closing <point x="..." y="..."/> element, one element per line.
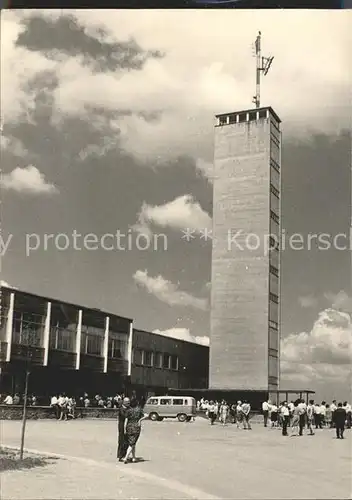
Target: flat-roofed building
<point x="76" y="349"/>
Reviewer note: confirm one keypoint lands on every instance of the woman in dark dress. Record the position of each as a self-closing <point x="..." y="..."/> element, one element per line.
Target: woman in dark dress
<point x="122" y="441"/>
<point x="134" y="417"/>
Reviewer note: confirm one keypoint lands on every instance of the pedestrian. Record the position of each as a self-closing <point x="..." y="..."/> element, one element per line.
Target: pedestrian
<point x="317" y="416"/>
<point x="224" y="410"/>
<point x="122" y="440"/>
<point x="285" y="415"/>
<point x="328" y="416"/>
<point x="233" y="413"/>
<point x="333" y="407"/>
<point x="348" y="409"/>
<point x="310" y="417"/>
<point x="295" y="420"/>
<point x="246" y="409"/>
<point x="265" y="410"/>
<point x="212" y="412"/>
<point x="302" y="408"/>
<point x="339" y="420"/>
<point x="239" y="414"/>
<point x="132" y="428"/>
<point x="273" y="415"/>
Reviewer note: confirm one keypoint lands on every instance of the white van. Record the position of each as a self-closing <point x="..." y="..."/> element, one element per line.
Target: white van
<point x="160" y="407"/>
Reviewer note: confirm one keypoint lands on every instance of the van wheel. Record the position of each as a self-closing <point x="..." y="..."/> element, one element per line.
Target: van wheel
<point x="154" y="417"/>
<point x="182" y="417"/>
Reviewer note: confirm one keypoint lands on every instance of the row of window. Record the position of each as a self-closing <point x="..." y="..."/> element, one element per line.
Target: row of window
<point x="275" y="165"/>
<point x="274" y="217"/>
<point x="242" y="117"/>
<point x="274" y="191"/>
<point x="155" y="359"/>
<point x="274" y="298"/>
<point x="274" y="270"/>
<point x="274" y="324"/>
<point x="274" y="244"/>
<point x="275" y="139"/>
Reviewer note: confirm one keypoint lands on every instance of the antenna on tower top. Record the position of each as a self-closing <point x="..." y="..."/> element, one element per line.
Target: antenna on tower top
<point x="263" y="66"/>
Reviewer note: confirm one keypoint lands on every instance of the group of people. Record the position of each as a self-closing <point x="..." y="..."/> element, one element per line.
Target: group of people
<point x="237" y="413"/>
<point x="16" y="399"/>
<point x="299" y="415"/>
<point x="67" y="407"/>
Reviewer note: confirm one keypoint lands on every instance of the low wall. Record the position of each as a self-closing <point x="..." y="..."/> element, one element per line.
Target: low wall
<point x="14" y="412"/>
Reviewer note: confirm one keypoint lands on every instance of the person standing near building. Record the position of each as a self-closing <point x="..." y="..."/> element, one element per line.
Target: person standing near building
<point x="273" y="415"/>
<point x="239" y="414"/>
<point x="339" y="420"/>
<point x="246" y="410"/>
<point x="8" y="400"/>
<point x="310" y="417"/>
<point x="317" y="416"/>
<point x="55" y="406"/>
<point x="233" y="413"/>
<point x="224" y="410"/>
<point x="295" y="419"/>
<point x="212" y="412"/>
<point x="302" y="408"/>
<point x="265" y="410"/>
<point x="333" y="408"/>
<point x="285" y="416"/>
<point x="348" y="409"/>
<point x="121" y="439"/>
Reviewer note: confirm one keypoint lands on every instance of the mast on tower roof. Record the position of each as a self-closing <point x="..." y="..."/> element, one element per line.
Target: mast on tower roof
<point x="262" y="66"/>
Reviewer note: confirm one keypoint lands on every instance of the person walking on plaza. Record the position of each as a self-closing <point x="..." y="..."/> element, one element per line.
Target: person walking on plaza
<point x="121" y="440"/>
<point x="132" y="428"/>
<point x="328" y="416"/>
<point x="265" y="410"/>
<point x="233" y="413"/>
<point x="348" y="409"/>
<point x="212" y="412"/>
<point x="246" y="410"/>
<point x="285" y="416"/>
<point x="310" y="417"/>
<point x="239" y="414"/>
<point x="302" y="408"/>
<point x="224" y="411"/>
<point x="333" y="408"/>
<point x="273" y="415"/>
<point x="295" y="420"/>
<point x="339" y="420"/>
<point x="317" y="416"/>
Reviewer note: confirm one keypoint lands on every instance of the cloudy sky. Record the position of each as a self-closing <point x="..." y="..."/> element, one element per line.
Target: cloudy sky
<point x="107" y="125"/>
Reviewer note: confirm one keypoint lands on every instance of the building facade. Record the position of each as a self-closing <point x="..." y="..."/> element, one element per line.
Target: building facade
<point x="75" y="349"/>
<point x="160" y="362"/>
<point x="245" y="293"/>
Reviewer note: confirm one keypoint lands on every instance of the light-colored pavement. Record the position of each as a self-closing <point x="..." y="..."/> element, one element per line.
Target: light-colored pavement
<point x="189" y="460"/>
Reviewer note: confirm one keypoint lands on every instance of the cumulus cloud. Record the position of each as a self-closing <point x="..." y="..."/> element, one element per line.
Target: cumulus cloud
<point x="27" y="180"/>
<point x="183" y="334"/>
<point x="197" y="77"/>
<point x="307" y="301"/>
<point x="181" y="213"/>
<point x="324" y="353"/>
<point x="168" y="292"/>
<point x="340" y="301"/>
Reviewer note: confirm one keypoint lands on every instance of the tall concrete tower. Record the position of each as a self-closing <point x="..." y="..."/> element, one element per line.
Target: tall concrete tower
<point x="245" y="295"/>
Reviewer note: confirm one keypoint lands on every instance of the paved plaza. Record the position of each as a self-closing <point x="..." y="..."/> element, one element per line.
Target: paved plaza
<point x="181" y="460"/>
